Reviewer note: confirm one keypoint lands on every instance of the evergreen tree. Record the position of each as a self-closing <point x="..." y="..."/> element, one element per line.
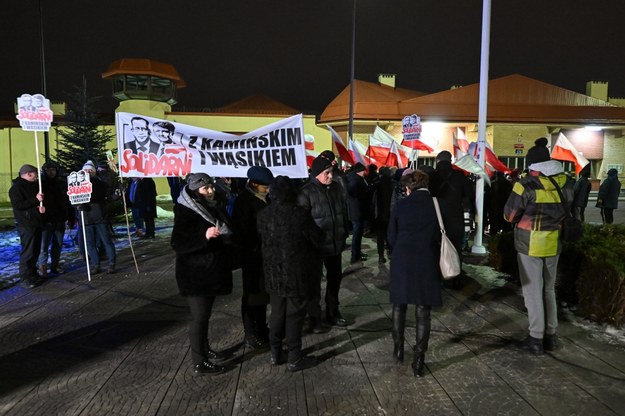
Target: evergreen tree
<point x="82" y="137"/>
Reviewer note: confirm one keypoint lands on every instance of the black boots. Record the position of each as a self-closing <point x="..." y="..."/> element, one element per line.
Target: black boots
<point x="417" y="364"/>
<point x="533" y="345"/>
<point x="423" y="324"/>
<point x="399" y="325"/>
<point x="550" y="342"/>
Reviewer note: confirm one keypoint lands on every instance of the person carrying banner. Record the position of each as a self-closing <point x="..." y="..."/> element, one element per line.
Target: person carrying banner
<point x="202" y="240"/>
<point x="325" y="200"/>
<point x="252" y="200"/>
<point x="28" y="213"/>
<point x="59" y="211"/>
<point x="96" y="227"/>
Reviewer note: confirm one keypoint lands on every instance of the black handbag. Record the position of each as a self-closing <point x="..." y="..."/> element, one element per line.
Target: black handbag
<point x="571" y="228"/>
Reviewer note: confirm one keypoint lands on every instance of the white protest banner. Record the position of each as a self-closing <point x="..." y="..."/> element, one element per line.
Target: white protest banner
<point x="150" y="147"/>
<point x="79" y="187"/>
<point x="79" y="190"/>
<point x="411" y="127"/>
<point x="34" y="112"/>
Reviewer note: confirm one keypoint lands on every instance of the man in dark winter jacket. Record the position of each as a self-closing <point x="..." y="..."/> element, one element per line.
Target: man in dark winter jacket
<point x="452" y="187"/>
<point x="95" y="223"/>
<point x="325" y="200"/>
<point x="357" y="208"/>
<point x="607" y="199"/>
<point x="580" y="194"/>
<point x="59" y="211"/>
<point x="27" y="211"/>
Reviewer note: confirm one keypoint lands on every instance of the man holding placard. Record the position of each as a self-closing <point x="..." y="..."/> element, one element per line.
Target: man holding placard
<point x="28" y="212"/>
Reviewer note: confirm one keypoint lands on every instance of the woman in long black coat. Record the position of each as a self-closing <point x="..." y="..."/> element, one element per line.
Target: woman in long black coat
<point x="247" y="205"/>
<point x="414" y="234"/>
<point x="289" y="238"/>
<point x="201" y="240"/>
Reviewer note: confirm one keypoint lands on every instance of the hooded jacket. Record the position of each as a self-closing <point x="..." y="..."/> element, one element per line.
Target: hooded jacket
<point x="535" y="207"/>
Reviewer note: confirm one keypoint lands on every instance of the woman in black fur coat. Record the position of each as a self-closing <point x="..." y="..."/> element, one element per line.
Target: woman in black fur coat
<point x="289" y="240"/>
<point x="201" y="239"/>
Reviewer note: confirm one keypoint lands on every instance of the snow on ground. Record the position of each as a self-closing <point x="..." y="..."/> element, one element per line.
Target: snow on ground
<point x="488" y="278"/>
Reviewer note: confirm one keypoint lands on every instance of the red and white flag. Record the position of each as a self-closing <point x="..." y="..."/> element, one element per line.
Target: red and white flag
<point x="310" y="149"/>
<point x="357" y="152"/>
<point x="468" y="164"/>
<point x="461" y="144"/>
<point x="564" y="150"/>
<point x="378" y="150"/>
<point x="340" y="147"/>
<point x="491" y="161"/>
<point x="394" y="158"/>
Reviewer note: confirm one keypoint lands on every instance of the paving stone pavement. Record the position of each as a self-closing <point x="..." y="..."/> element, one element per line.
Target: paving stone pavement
<point x="118" y="346"/>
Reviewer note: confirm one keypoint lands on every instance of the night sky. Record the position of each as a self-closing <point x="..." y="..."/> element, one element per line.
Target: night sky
<point x="298" y="51"/>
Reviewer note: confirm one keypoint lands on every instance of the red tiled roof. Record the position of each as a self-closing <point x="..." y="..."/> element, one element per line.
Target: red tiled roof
<point x="371" y="101"/>
<point x="133" y="66"/>
<point x="257" y="104"/>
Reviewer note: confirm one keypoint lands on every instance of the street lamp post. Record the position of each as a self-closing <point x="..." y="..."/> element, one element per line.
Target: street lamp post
<point x="42" y="60"/>
<point x="351" y="80"/>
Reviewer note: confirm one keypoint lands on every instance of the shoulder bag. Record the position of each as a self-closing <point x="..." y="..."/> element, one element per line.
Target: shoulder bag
<point x="449" y="261"/>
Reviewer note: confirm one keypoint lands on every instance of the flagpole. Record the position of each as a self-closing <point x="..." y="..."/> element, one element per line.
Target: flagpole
<point x="351" y="79"/>
<point x="477" y="247"/>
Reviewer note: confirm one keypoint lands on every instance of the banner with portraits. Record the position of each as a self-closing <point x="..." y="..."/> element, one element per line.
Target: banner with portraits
<point x="150" y="147"/>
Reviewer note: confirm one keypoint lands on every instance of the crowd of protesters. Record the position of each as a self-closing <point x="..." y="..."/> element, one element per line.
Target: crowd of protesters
<point x="286" y="235"/>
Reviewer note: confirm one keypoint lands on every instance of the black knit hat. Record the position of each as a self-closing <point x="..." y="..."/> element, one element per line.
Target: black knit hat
<point x="260" y="175"/>
<point x="538" y="153"/>
<point x="321" y="163"/>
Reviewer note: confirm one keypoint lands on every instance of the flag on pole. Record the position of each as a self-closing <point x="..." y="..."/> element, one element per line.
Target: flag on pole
<point x="378" y="150"/>
<point x="357" y="152"/>
<point x="340" y="147"/>
<point x="394" y="158"/>
<point x="461" y="144"/>
<point x="469" y="164"/>
<point x="310" y="149"/>
<point x="564" y="150"/>
<point x="417" y="145"/>
<point x="491" y="162"/>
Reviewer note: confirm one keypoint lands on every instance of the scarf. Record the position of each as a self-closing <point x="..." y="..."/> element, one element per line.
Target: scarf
<point x="185" y="200"/>
<point x="261" y="196"/>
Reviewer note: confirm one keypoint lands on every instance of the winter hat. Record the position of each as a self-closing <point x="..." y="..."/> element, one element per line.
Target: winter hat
<point x="612" y="172"/>
<point x="328" y="154"/>
<point x="50" y="164"/>
<point x="320" y="164"/>
<point x="260" y="175"/>
<point x="89" y="165"/>
<point x="359" y="167"/>
<point x="197" y="180"/>
<point x="539" y="153"/>
<point x="283" y="189"/>
<point x="443" y="156"/>
<point x="27" y="169"/>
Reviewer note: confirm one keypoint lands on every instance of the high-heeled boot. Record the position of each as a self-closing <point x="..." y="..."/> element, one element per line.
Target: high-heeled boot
<point x="399" y="325"/>
<point x="423" y="323"/>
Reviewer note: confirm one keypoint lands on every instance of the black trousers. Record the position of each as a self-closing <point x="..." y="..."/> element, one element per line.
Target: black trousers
<point x="334" y="275"/>
<point x="201" y="308"/>
<point x="286" y="321"/>
<point x="30" y="239"/>
<point x="382" y="227"/>
<point x="149" y="227"/>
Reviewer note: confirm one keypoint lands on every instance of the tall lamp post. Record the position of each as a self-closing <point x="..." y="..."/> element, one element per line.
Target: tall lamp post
<point x="351" y="79"/>
<point x="42" y="59"/>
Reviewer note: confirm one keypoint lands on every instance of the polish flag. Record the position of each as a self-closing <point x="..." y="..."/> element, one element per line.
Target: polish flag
<point x="394" y="158"/>
<point x="491" y="162"/>
<point x="357" y="152"/>
<point x="378" y="150"/>
<point x="564" y="150"/>
<point x="468" y="164"/>
<point x="417" y="145"/>
<point x="309" y="142"/>
<point x="461" y="144"/>
<point x="340" y="147"/>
